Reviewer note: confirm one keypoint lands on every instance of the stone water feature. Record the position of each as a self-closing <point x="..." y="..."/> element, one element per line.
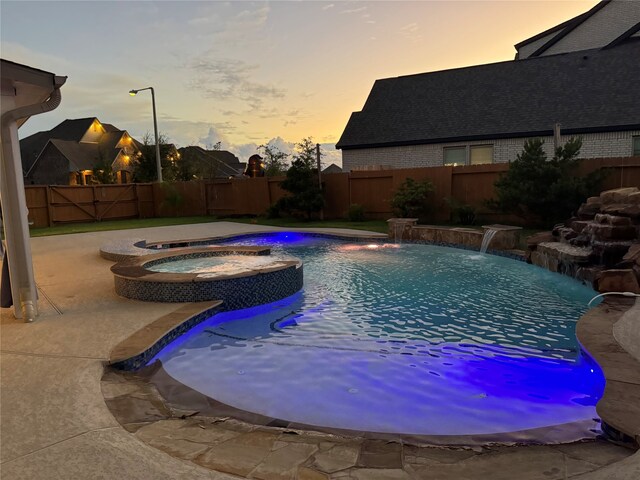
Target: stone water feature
<point x="496" y="237"/>
<point x="600" y="246"/>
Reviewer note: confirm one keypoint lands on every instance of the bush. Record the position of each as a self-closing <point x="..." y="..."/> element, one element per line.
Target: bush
<point x="463" y="213"/>
<point x="173" y="199"/>
<point x="305" y="196"/>
<point x="541" y="191"/>
<point x="273" y="211"/>
<point x="412" y="199"/>
<point x="355" y="213"/>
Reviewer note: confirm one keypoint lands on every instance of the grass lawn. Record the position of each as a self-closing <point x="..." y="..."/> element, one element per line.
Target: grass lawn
<point x="117" y="225"/>
<point x="379" y="226"/>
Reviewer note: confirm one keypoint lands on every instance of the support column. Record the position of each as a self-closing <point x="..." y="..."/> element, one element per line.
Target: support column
<point x="16" y="226"/>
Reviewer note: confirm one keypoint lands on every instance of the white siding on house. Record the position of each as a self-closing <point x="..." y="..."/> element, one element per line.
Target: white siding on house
<point x="594" y="145"/>
<point x="600" y="29"/>
<point x="528" y="49"/>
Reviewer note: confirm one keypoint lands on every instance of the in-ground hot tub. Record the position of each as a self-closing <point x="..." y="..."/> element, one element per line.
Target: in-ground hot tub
<point x="242" y="276"/>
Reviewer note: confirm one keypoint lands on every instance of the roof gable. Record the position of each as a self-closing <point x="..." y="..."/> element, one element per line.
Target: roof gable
<point x="81" y="156"/>
<point x="609" y="21"/>
<point x="30" y="148"/>
<point x="72" y="129"/>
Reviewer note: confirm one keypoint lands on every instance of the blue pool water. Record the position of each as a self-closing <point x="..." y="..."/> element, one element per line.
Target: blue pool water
<point x="410" y="339"/>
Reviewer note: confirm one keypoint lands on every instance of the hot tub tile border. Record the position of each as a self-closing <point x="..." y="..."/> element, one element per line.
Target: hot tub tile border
<point x="137" y="361"/>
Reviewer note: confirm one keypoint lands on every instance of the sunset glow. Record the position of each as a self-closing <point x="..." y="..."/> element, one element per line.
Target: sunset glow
<point x="246" y="73"/>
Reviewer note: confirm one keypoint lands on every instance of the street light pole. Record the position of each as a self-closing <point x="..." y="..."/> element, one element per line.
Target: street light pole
<point x="155" y="128"/>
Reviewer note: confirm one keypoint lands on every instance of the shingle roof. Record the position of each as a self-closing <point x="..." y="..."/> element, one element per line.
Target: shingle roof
<point x="84" y="156"/>
<point x="31" y="146"/>
<point x="111" y="138"/>
<point x="72" y="129"/>
<point x="110" y="128"/>
<point x="333" y="168"/>
<point x="225" y="157"/>
<point x="225" y="163"/>
<point x="587" y="91"/>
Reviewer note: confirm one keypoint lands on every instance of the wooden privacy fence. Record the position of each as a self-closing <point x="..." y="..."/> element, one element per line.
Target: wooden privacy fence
<point x="50" y="205"/>
<point x="472" y="185"/>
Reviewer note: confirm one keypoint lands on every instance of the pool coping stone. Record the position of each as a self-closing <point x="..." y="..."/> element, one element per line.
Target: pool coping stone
<point x="619" y="406"/>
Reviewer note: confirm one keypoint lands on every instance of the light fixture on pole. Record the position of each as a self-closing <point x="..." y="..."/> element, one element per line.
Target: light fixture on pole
<point x="155" y="127"/>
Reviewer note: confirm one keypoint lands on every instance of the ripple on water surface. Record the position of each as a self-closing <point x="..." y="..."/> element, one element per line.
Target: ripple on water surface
<point x="401" y="338"/>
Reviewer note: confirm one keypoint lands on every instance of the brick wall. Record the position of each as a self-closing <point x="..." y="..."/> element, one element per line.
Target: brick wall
<point x="595" y="145"/>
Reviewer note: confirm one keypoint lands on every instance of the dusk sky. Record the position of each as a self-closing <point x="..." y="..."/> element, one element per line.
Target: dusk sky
<point x="248" y="73"/>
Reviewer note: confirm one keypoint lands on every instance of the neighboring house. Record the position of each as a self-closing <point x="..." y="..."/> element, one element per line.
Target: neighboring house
<point x="333" y="168"/>
<point x="569" y="75"/>
<point x="68" y="154"/>
<point x="210" y="164"/>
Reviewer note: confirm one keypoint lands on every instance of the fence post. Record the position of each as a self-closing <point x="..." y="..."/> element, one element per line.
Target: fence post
<point x="135" y="193"/>
<point x="47" y="190"/>
<point x="95" y="204"/>
<point x="203" y="197"/>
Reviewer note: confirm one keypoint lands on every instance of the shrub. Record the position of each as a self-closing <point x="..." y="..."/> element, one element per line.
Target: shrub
<point x="172" y="197"/>
<point x="305" y="196"/>
<point x="412" y="199"/>
<point x="355" y="213"/>
<point x="273" y="211"/>
<point x="541" y="191"/>
<point x="463" y="213"/>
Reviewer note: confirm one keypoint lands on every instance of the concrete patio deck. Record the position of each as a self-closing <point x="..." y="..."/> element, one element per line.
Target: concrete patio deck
<point x="54" y="420"/>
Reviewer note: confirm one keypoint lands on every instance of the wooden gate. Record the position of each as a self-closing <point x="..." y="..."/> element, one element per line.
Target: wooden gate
<point x="68" y="204"/>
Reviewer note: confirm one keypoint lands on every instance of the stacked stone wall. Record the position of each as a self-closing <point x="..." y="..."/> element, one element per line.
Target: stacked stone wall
<point x="601" y="246"/>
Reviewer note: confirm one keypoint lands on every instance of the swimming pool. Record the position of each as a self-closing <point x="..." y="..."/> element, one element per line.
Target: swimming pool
<point x="410" y="339"/>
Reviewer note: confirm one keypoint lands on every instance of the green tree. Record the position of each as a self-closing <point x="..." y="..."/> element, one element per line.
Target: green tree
<point x="306" y="152"/>
<point x="188" y="167"/>
<point x="412" y="199"/>
<point x="144" y="166"/>
<point x="542" y="191"/>
<point x="275" y="161"/>
<point x="305" y="195"/>
<point x="103" y="170"/>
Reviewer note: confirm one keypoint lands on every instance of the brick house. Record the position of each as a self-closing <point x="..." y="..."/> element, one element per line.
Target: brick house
<point x="210" y="164"/>
<point x="581" y="75"/>
<point x="68" y="154"/>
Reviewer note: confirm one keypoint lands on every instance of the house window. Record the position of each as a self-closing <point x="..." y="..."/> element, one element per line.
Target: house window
<point x="636" y="146"/>
<point x="481" y="154"/>
<point x="455" y="156"/>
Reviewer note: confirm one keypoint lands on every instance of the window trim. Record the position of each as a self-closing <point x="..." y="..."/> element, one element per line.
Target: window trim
<point x="635" y="145"/>
<point x="457" y="147"/>
<point x="467" y="153"/>
<point x="482" y="145"/>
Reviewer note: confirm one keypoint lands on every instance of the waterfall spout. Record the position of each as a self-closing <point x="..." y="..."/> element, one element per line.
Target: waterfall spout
<point x="486" y="239"/>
